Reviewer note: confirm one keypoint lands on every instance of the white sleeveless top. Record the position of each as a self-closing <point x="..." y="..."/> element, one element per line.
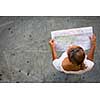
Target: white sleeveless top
<point x="57" y="63"/>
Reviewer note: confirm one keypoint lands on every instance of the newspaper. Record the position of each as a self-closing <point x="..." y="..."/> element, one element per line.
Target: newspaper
<point x="77" y="36"/>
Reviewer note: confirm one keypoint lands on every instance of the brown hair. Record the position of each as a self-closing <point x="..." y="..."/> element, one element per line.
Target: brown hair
<point x="76" y="55"/>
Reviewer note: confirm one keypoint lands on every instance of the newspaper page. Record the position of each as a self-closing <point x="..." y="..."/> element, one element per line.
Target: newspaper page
<point x="77" y="36"/>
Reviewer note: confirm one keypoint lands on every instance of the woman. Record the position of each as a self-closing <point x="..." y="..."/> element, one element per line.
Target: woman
<point x="74" y="60"/>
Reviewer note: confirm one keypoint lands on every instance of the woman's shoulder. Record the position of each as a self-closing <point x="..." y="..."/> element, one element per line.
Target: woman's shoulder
<point x="88" y="63"/>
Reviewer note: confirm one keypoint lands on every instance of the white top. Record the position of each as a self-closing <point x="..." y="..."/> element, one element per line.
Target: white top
<point x="57" y="63"/>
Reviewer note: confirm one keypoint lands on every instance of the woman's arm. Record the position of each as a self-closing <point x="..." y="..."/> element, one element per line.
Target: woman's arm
<point x="90" y="54"/>
<point x="53" y="50"/>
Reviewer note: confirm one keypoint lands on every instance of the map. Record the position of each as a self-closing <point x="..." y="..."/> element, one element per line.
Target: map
<point x="76" y="36"/>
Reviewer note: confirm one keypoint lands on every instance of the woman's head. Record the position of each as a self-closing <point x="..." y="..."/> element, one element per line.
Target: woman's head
<point x="76" y="54"/>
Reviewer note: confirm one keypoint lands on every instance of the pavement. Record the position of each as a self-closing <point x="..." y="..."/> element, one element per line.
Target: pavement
<point x="25" y="55"/>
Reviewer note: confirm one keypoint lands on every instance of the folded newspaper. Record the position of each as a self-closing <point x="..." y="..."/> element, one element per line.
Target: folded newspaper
<point x="77" y="36"/>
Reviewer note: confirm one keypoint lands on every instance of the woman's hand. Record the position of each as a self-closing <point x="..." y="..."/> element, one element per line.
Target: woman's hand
<point x="90" y="54"/>
<point x="52" y="43"/>
<point x="93" y="40"/>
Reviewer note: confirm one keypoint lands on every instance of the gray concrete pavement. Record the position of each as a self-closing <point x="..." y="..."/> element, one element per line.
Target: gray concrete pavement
<point x="25" y="54"/>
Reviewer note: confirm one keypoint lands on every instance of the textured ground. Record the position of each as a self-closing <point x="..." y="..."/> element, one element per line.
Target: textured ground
<point x="25" y="54"/>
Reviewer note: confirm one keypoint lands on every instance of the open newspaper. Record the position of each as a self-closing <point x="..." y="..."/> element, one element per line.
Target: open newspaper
<point x="76" y="36"/>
